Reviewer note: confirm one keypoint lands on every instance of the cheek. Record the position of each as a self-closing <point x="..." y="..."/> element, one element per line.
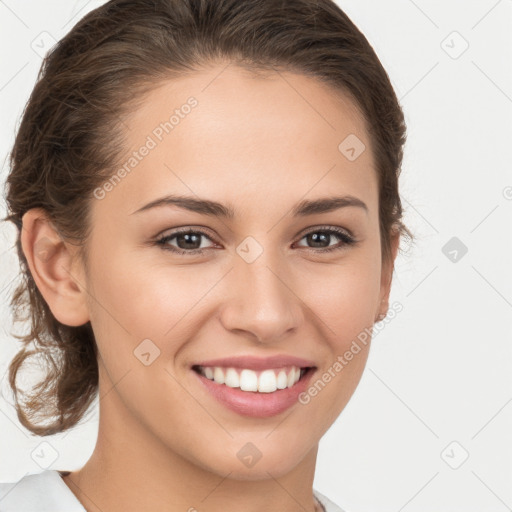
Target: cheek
<point x="343" y="300"/>
<point x="344" y="311"/>
<point x="148" y="298"/>
<point x="343" y="296"/>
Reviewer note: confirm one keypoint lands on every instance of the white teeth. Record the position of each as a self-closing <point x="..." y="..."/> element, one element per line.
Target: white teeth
<point x="282" y="380"/>
<point x="218" y="375"/>
<point x="248" y="380"/>
<point x="232" y="378"/>
<point x="267" y="381"/>
<point x="292" y="377"/>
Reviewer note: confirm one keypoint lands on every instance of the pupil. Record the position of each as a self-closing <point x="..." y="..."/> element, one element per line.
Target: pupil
<point x="189" y="237"/>
<point x="315" y="237"/>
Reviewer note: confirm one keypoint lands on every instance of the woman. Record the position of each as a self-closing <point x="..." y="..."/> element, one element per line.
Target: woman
<point x="206" y="193"/>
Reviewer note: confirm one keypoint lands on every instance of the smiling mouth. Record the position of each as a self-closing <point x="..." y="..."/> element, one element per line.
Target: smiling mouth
<point x="264" y="381"/>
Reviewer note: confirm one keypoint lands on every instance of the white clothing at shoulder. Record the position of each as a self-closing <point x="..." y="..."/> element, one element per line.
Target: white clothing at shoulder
<point x="40" y="492"/>
<point x="325" y="501"/>
<point x="47" y="492"/>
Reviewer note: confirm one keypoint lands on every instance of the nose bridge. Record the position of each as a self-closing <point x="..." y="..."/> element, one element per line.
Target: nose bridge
<point x="260" y="300"/>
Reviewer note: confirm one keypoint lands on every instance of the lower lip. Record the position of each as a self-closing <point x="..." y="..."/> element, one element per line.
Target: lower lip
<point x="255" y="404"/>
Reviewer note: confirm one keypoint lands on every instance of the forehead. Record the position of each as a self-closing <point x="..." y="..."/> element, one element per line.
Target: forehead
<point x="227" y="134"/>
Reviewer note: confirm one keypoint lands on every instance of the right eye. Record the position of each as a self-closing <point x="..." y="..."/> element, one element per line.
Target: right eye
<point x="187" y="241"/>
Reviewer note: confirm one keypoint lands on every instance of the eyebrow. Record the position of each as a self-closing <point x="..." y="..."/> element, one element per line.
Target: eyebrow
<point x="215" y="209"/>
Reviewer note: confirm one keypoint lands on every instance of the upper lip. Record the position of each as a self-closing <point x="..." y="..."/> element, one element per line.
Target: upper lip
<point x="258" y="363"/>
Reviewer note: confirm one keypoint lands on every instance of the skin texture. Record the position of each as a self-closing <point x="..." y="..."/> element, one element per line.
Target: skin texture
<point x="260" y="144"/>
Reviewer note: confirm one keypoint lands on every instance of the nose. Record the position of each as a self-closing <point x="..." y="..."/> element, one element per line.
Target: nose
<point x="261" y="301"/>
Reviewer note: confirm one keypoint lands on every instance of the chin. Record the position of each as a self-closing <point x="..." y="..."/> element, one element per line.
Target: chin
<point x="258" y="472"/>
<point x="267" y="463"/>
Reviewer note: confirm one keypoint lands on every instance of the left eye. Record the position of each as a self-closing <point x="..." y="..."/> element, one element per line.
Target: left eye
<point x="319" y="236"/>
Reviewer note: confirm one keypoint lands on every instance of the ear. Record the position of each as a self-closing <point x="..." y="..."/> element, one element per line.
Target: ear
<point x="54" y="268"/>
<point x="387" y="275"/>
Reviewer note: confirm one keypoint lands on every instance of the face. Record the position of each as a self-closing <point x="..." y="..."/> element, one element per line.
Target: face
<point x="274" y="278"/>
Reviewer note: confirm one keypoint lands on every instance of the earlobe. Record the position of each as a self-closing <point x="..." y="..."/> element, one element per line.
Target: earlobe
<point x="50" y="262"/>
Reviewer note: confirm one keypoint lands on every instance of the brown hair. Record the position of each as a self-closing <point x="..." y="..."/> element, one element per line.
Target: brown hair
<point x="95" y="75"/>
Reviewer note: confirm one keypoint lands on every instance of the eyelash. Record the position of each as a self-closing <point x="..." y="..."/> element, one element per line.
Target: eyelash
<point x="345" y="237"/>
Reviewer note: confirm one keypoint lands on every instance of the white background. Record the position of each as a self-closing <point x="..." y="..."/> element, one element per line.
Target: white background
<point x="441" y="371"/>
